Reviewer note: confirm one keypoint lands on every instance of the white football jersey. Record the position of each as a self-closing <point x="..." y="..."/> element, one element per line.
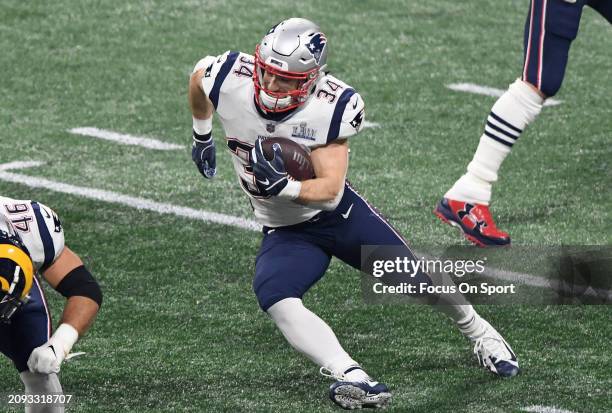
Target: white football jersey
<point x="38" y="227"/>
<point x="333" y="111"/>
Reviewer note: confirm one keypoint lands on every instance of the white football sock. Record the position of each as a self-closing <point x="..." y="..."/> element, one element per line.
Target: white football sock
<point x="454" y="305"/>
<point x="310" y="335"/>
<point x="513" y="111"/>
<point x="36" y="383"/>
<point x="472" y="326"/>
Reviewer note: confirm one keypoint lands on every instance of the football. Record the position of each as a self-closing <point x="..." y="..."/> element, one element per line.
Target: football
<point x="295" y="156"/>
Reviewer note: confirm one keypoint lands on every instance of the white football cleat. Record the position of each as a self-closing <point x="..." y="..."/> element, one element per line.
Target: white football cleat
<point x="352" y="395"/>
<point x="494" y="353"/>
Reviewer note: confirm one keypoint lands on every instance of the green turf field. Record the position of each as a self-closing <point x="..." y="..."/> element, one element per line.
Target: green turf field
<point x="180" y="329"/>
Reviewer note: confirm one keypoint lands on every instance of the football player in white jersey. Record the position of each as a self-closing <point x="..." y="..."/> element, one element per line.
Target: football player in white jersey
<point x="284" y="90"/>
<point x="31" y="242"/>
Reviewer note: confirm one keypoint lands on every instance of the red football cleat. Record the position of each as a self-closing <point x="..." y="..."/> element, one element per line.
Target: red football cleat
<point x="475" y="221"/>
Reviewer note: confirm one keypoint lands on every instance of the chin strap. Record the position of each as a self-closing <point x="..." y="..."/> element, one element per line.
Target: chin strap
<point x="274" y="103"/>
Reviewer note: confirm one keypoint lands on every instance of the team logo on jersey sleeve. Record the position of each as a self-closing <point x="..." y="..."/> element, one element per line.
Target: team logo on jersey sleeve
<point x="316" y="45"/>
<point x="356" y="122"/>
<point x="208" y="70"/>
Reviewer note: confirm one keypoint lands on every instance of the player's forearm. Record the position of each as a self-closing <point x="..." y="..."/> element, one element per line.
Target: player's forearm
<point x="330" y="164"/>
<point x="80" y="313"/>
<point x="201" y="106"/>
<point x="68" y="276"/>
<point x="320" y="190"/>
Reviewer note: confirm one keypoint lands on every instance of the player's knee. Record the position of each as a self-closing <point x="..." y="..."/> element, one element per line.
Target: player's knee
<point x="534" y="88"/>
<point x="266" y="301"/>
<point x="270" y="292"/>
<point x="283" y="311"/>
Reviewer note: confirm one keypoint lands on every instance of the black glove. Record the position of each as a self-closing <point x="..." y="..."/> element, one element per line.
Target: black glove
<point x="270" y="175"/>
<point x="203" y="154"/>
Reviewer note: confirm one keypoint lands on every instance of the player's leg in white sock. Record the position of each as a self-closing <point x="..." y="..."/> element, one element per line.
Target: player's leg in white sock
<point x="40" y="384"/>
<point x="456" y="307"/>
<point x="513" y="111"/>
<point x="492" y="351"/>
<point x="375" y="230"/>
<point x="465" y="317"/>
<point x="311" y="336"/>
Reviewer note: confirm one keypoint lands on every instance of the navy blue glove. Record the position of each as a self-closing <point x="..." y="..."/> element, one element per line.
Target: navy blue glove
<point x="203" y="154"/>
<point x="270" y="175"/>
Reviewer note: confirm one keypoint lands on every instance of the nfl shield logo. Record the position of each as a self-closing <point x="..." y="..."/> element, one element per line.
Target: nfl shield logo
<point x="270" y="127"/>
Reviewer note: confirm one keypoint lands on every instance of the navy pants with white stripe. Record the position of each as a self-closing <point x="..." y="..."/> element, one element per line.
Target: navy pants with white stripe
<point x="551" y="27"/>
<point x="30" y="327"/>
<point x="292" y="259"/>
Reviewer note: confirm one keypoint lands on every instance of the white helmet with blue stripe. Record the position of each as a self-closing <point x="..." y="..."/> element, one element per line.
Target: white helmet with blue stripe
<point x="295" y="50"/>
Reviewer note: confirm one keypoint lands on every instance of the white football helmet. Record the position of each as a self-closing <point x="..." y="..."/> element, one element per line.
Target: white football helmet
<point x="294" y="49"/>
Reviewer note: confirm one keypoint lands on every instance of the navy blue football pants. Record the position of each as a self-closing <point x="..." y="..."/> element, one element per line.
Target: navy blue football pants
<point x="551" y="27"/>
<point x="291" y="259"/>
<point x="30" y="327"/>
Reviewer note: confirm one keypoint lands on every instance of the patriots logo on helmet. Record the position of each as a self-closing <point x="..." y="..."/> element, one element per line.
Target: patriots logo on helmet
<point x="316" y="45"/>
<point x="273" y="28"/>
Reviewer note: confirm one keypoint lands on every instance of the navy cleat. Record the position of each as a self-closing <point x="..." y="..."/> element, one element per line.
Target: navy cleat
<point x="352" y="395"/>
<point x="494" y="353"/>
<point x="474" y="220"/>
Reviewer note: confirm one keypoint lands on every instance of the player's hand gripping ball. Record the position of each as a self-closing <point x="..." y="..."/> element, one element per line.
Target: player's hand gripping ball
<point x="296" y="157"/>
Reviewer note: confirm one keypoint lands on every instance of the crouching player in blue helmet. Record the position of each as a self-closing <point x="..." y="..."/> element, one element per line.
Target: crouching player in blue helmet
<point x="31" y="242"/>
<point x="285" y="91"/>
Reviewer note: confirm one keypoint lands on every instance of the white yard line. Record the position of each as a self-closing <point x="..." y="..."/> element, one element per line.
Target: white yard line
<point x="125" y="139"/>
<point x="368" y="124"/>
<point x="214" y="217"/>
<point x="19" y="165"/>
<point x="117" y="198"/>
<point x="489" y="91"/>
<point x="544" y="409"/>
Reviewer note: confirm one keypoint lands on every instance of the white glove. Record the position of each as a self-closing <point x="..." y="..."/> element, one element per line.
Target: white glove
<point x="44" y="359"/>
<point x="47" y="358"/>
